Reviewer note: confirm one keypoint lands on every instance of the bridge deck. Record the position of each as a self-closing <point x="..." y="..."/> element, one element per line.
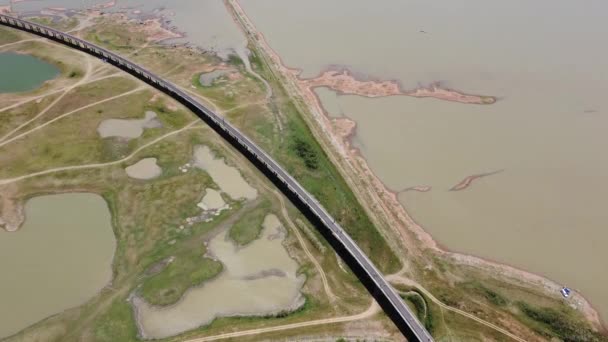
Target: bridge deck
<point x="386" y="296"/>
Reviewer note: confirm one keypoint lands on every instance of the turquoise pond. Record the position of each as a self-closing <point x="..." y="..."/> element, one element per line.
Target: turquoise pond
<point x="19" y="72"/>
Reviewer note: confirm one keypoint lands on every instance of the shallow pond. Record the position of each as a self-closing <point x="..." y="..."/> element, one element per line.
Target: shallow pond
<point x="228" y="178"/>
<point x="144" y="169"/>
<point x="56" y="260"/>
<point x="206" y="79"/>
<point x="212" y="200"/>
<point x="258" y="279"/>
<point x="23" y="72"/>
<point x="127" y="128"/>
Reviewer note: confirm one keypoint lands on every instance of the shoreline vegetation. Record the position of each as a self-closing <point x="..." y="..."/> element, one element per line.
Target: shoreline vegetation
<point x="312" y="143"/>
<point x="336" y="134"/>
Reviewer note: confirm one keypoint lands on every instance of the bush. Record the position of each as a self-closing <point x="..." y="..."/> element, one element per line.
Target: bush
<point x="305" y="151"/>
<point x="560" y="324"/>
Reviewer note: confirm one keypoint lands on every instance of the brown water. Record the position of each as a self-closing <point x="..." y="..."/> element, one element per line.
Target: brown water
<point x="544" y="211"/>
<point x="212" y="200"/>
<point x="56" y="261"/>
<point x="127" y="128"/>
<point x="545" y="62"/>
<point x="144" y="169"/>
<point x="257" y="279"/>
<point x="228" y="178"/>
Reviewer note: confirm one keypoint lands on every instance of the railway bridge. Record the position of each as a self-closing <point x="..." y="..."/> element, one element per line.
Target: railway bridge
<point x="347" y="249"/>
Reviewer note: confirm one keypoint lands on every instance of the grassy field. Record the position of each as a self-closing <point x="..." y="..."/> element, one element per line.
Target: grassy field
<point x="8" y="36"/>
<point x="249" y="226"/>
<point x="158" y="254"/>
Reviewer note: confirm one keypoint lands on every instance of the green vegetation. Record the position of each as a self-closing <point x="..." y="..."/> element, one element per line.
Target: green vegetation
<point x="184" y="271"/>
<point x="159" y="255"/>
<point x="149" y="216"/>
<point x="8" y="36"/>
<point x="559" y="323"/>
<point x="417" y="303"/>
<point x="75" y="74"/>
<point x="61" y="25"/>
<point x="249" y="226"/>
<point x="114" y="37"/>
<point x="117" y="323"/>
<point x="296" y="149"/>
<point x="306" y="152"/>
<point x="312" y="168"/>
<point x="490" y="295"/>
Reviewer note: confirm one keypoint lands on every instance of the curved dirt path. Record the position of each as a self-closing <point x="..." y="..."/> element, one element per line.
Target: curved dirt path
<point x="96" y="165"/>
<point x="328" y="291"/>
<point x="43" y="95"/>
<point x="330" y="295"/>
<point x="372" y="310"/>
<point x="84" y="79"/>
<point x="19" y="42"/>
<point x="409" y="282"/>
<point x="5" y="142"/>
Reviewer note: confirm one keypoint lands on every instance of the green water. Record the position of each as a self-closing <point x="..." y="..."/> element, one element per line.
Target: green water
<point x="23" y="72"/>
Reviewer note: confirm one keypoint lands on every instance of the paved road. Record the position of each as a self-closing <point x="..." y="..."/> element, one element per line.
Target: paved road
<point x="388" y="299"/>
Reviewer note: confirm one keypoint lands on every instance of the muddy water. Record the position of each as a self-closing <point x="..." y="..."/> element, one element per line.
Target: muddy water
<point x="212" y="200"/>
<point x="23" y="72"/>
<point x="144" y="169"/>
<point x="258" y="279"/>
<point x="544" y="212"/>
<point x="127" y="128"/>
<point x="57" y="260"/>
<point x="228" y="178"/>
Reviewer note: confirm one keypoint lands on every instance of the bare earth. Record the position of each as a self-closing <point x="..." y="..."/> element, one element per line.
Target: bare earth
<point x="368" y="187"/>
<point x="11" y="209"/>
<point x="344" y="82"/>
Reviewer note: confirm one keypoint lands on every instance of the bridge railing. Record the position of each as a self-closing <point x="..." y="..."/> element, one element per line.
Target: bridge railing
<point x="260" y="155"/>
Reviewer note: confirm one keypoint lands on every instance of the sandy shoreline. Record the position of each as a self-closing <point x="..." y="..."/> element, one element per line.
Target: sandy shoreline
<point x="339" y="133"/>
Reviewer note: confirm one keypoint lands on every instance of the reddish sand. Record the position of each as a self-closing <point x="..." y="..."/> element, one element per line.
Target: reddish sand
<point x="465" y="183"/>
<point x="344" y="82"/>
<point x="418" y="188"/>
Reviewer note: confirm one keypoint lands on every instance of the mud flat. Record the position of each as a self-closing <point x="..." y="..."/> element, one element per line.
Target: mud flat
<point x="206" y="79"/>
<point x="56" y="260"/>
<point x="259" y="279"/>
<point x="144" y="169"/>
<point x="23" y="72"/>
<point x="127" y="128"/>
<point x="228" y="178"/>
